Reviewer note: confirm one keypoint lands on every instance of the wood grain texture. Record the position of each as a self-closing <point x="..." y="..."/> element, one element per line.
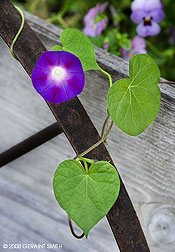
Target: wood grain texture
<point x="146" y="162"/>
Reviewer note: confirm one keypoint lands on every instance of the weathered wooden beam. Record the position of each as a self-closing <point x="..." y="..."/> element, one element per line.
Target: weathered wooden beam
<point x="78" y="128"/>
<point x="30" y="143"/>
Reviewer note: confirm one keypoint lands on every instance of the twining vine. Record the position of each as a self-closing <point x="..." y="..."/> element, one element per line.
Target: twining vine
<point x="87" y="189"/>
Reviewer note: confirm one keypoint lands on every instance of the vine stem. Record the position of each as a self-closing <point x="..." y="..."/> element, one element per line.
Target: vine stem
<point x="85" y="166"/>
<point x="18" y="33"/>
<point x="96" y="144"/>
<point x="167" y="82"/>
<point x="58" y="18"/>
<point x="72" y="230"/>
<point x="104" y="125"/>
<point x="108" y="75"/>
<point x="90" y="161"/>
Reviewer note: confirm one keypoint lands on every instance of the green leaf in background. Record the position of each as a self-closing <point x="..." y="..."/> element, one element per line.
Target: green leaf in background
<point x="112" y="39"/>
<point x="56" y="48"/>
<point x="16" y="4"/>
<point x="76" y="42"/>
<point x="134" y="103"/>
<point x="125" y="43"/>
<point x="98" y="40"/>
<point x="99" y="18"/>
<point x="86" y="197"/>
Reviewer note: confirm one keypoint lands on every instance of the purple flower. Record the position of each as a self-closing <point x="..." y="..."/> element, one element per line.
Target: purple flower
<point x="95" y="21"/>
<point x="106" y="45"/>
<point x="138" y="47"/>
<point x="58" y="76"/>
<point x="172" y="36"/>
<point x="147" y="13"/>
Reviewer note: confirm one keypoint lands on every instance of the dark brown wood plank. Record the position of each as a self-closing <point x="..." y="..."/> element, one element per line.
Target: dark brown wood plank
<point x="30" y="143"/>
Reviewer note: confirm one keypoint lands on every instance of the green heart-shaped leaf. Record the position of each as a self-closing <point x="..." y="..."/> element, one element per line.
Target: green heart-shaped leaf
<point x="56" y="48"/>
<point x="134" y="103"/>
<point x="76" y="42"/>
<point x="86" y="197"/>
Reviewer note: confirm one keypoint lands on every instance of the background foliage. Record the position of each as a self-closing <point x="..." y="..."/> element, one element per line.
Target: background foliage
<point x="120" y="29"/>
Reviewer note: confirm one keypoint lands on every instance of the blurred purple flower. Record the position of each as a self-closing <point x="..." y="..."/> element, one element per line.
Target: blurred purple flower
<point x="106" y="45"/>
<point x="58" y="76"/>
<point x="95" y="22"/>
<point x="138" y="47"/>
<point x="172" y="36"/>
<point x="147" y="13"/>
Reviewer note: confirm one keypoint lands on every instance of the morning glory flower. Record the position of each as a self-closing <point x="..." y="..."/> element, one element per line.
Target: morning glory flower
<point x="138" y="47"/>
<point x="147" y="13"/>
<point x="95" y="21"/>
<point x="58" y="76"/>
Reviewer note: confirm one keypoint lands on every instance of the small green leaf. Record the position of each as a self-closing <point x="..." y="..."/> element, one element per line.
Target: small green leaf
<point x="76" y="42"/>
<point x="86" y="197"/>
<point x="134" y="103"/>
<point x="98" y="41"/>
<point x="56" y="48"/>
<point x="125" y="43"/>
<point x="99" y="18"/>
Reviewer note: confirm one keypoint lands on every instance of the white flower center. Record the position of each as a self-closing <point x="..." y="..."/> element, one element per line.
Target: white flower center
<point x="58" y="73"/>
